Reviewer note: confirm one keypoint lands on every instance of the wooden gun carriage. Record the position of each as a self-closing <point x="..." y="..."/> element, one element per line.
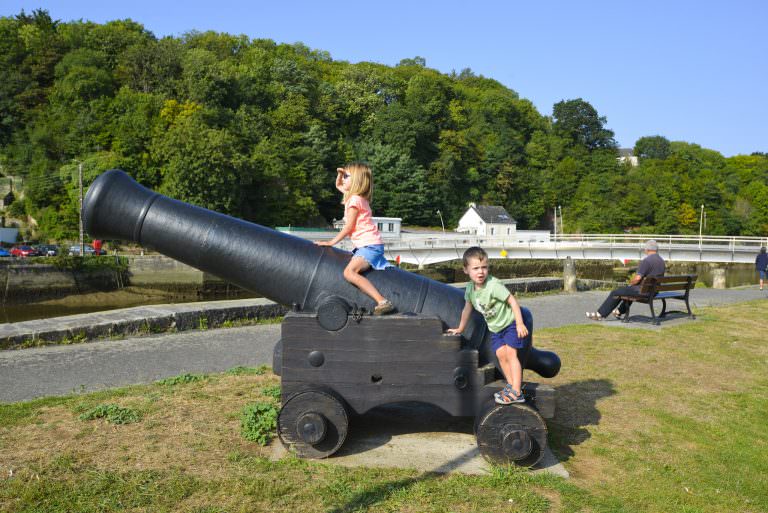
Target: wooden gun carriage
<point x="334" y="358"/>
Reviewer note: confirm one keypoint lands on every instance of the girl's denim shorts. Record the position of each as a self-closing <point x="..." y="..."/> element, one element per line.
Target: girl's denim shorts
<point x="374" y="255"/>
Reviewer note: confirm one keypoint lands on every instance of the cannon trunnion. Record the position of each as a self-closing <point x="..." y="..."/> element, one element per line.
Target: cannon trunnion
<point x="327" y="375"/>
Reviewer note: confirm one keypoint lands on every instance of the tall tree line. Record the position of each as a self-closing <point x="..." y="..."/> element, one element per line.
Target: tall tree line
<point x="256" y="129"/>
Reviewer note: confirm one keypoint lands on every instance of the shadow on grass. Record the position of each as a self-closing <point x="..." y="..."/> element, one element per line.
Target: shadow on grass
<point x="576" y="410"/>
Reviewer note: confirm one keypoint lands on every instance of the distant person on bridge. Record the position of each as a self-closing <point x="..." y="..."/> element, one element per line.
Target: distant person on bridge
<point x="652" y="265"/>
<point x="761" y="265"/>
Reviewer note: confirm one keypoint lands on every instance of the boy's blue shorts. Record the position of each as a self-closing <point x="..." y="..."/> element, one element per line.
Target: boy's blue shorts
<point x="507" y="336"/>
<point x="763" y="274"/>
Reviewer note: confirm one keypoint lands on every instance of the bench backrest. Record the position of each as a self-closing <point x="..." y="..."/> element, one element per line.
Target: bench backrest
<point x="652" y="285"/>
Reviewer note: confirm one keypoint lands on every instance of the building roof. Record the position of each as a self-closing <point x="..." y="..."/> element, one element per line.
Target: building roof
<point x="494" y="214"/>
<point x="626" y="152"/>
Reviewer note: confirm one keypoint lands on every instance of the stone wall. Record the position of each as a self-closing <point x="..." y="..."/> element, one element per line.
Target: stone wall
<point x="20" y="283"/>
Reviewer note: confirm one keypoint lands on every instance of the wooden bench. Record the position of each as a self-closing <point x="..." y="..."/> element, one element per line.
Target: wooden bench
<point x="662" y="288"/>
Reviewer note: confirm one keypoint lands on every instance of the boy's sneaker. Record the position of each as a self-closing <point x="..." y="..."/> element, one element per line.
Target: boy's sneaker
<point x="384" y="308"/>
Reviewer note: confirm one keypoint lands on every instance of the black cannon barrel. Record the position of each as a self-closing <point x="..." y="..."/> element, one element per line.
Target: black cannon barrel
<point x="286" y="269"/>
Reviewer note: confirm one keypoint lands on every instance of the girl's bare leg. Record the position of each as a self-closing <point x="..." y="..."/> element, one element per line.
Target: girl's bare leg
<point x="352" y="274"/>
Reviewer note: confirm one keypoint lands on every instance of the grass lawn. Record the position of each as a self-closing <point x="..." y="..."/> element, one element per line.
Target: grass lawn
<point x="674" y="420"/>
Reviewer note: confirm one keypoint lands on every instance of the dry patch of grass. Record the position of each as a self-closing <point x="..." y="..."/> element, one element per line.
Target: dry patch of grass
<point x="192" y="427"/>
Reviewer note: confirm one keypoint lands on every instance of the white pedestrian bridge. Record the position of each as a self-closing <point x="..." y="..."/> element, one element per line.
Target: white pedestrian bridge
<point x="674" y="248"/>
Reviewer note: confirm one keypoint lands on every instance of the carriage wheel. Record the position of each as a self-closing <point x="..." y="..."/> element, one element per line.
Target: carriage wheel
<point x="511" y="434"/>
<point x="313" y="424"/>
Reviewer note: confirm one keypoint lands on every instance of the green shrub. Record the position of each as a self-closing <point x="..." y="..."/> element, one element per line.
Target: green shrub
<point x="113" y="414"/>
<point x="181" y="379"/>
<point x="272" y="391"/>
<point x="241" y="370"/>
<point x="258" y="422"/>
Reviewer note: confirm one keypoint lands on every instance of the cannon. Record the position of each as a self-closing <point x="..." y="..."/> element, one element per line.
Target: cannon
<point x="334" y="358"/>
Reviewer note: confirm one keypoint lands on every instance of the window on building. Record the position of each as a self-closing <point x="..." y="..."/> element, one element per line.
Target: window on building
<point x="391" y="227"/>
<point x="493" y="231"/>
<point x="509" y="231"/>
<point x="380" y="226"/>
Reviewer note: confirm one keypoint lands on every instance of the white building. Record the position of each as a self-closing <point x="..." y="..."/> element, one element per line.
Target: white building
<point x="389" y="227"/>
<point x="626" y="155"/>
<point x="487" y="221"/>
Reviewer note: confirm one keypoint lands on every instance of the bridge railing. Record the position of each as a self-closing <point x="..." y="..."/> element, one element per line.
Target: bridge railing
<point x="710" y="242"/>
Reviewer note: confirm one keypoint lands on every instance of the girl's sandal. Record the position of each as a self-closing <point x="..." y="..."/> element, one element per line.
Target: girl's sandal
<point x="595" y="316"/>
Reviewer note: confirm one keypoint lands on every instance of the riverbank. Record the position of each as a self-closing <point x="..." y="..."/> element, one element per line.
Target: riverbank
<point x="36" y="289"/>
<point x="136" y="321"/>
<point x="170" y="317"/>
<point x="539" y="294"/>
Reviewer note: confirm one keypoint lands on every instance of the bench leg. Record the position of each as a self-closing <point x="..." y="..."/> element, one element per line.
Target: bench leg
<point x="626" y="314"/>
<point x="653" y="314"/>
<point x="663" y="307"/>
<point x="690" y="313"/>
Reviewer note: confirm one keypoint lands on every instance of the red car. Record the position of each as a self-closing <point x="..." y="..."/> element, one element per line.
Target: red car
<point x="24" y="251"/>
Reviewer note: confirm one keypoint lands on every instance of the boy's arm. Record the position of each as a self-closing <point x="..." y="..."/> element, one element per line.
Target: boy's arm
<point x="522" y="331"/>
<point x="349" y="225"/>
<point x="464" y="320"/>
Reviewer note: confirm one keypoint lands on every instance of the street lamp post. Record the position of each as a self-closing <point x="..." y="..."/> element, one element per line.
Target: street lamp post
<point x="441" y="220"/>
<point x="555" y="225"/>
<point x="701" y="223"/>
<point x="80" y="182"/>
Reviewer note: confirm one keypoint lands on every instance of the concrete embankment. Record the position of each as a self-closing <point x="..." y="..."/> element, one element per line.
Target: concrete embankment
<point x="136" y="321"/>
<point x="23" y="283"/>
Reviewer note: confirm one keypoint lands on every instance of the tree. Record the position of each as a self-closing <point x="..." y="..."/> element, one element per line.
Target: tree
<point x="579" y="121"/>
<point x="652" y="147"/>
<point x="199" y="165"/>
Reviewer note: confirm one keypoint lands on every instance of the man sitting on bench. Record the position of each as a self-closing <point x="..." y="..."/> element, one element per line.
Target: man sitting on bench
<point x="652" y="265"/>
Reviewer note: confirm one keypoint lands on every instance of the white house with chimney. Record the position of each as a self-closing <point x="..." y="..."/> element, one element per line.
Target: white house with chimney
<point x="487" y="221"/>
<point x="495" y="221"/>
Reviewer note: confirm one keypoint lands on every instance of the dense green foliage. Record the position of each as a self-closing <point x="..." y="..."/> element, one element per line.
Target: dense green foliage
<point x="258" y="422"/>
<point x="113" y="414"/>
<point x="256" y="129"/>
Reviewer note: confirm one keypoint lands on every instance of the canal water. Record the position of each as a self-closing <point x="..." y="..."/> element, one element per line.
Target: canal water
<point x="736" y="275"/>
<point x="100" y="301"/>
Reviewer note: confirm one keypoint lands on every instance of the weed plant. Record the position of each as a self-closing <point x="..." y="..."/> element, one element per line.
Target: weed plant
<point x="112" y="413"/>
<point x="258" y="422"/>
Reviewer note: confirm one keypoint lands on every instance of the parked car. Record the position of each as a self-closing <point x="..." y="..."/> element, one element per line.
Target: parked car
<point x="74" y="250"/>
<point x="24" y="251"/>
<point x="48" y="250"/>
<point x="4" y="253"/>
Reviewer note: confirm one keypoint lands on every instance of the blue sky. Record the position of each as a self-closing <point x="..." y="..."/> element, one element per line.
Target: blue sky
<point x="693" y="71"/>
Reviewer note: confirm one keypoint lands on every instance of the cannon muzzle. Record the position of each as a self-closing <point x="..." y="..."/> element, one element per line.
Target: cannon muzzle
<point x="286" y="269"/>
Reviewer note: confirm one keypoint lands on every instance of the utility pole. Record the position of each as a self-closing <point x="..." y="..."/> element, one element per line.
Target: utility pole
<point x="701" y="222"/>
<point x="561" y="218"/>
<point x="80" y="179"/>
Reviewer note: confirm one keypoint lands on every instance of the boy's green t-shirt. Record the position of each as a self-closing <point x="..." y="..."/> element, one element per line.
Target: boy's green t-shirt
<point x="491" y="301"/>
